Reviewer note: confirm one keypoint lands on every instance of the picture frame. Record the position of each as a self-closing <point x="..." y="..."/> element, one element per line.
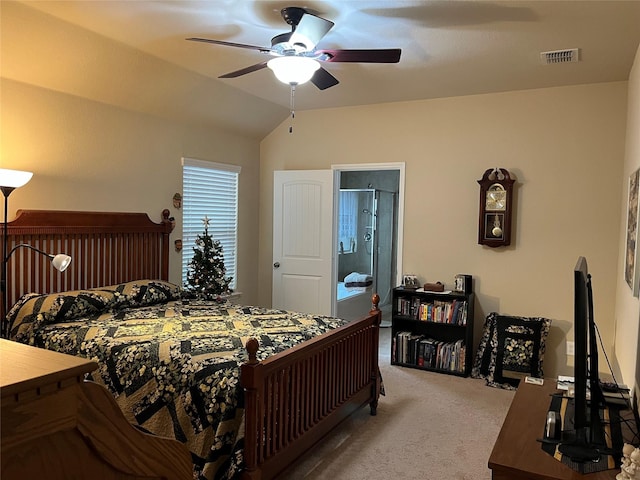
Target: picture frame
<point x="410" y="281"/>
<point x="462" y="283"/>
<point x="632" y="267"/>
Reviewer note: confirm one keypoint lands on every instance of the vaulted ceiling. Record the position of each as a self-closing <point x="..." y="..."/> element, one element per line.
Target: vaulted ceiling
<point x="134" y="53"/>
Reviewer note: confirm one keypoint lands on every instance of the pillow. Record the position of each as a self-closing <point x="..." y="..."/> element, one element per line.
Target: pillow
<point x="33" y="310"/>
<point x="140" y="293"/>
<point x="511" y="348"/>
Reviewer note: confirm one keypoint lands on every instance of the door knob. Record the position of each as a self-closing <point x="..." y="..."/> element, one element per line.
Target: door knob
<point x="276" y="265"/>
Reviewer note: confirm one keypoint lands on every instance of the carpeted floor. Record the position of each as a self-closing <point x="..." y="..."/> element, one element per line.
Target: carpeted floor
<point x="429" y="426"/>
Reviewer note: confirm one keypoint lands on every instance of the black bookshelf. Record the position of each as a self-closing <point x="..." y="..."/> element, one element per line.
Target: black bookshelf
<point x="432" y="331"/>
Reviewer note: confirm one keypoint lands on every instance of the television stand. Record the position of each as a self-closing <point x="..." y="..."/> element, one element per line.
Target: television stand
<point x="517" y="454"/>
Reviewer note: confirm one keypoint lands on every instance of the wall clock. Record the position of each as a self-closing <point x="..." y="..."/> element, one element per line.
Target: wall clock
<point x="494" y="222"/>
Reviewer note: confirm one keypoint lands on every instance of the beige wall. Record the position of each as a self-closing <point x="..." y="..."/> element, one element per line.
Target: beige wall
<point x="89" y="156"/>
<point x="627" y="314"/>
<point x="104" y="127"/>
<point x="564" y="145"/>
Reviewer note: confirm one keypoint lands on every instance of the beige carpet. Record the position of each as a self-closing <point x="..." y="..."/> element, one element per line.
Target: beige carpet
<point x="429" y="426"/>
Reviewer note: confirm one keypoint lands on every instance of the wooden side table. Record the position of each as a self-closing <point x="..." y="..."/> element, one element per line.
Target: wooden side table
<point x="55" y="425"/>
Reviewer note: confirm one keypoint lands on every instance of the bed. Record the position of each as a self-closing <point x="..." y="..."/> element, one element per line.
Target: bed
<point x="282" y="380"/>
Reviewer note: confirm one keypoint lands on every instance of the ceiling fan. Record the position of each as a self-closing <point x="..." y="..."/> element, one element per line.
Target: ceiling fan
<point x="296" y="59"/>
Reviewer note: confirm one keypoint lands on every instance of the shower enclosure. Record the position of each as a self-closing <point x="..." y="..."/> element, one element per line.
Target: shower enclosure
<point x="366" y="249"/>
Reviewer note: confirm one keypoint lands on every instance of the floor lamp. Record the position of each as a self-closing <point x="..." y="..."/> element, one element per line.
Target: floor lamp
<point x="9" y="181"/>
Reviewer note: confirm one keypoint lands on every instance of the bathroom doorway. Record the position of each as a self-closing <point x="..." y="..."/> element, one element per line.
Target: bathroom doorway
<point x="368" y="208"/>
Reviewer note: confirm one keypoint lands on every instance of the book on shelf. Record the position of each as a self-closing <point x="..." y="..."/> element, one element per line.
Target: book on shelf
<point x="394" y="347"/>
<point x="413" y="348"/>
<point x="424" y="352"/>
<point x="402" y="347"/>
<point x="429" y="352"/>
<point x="420" y="354"/>
<point x="452" y="312"/>
<point x="415" y="307"/>
<point x="465" y="310"/>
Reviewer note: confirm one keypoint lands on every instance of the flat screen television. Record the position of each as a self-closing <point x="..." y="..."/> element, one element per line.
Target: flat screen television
<point x="583" y="438"/>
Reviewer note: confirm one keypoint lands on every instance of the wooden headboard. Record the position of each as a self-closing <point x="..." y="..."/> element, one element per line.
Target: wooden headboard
<point x="106" y="248"/>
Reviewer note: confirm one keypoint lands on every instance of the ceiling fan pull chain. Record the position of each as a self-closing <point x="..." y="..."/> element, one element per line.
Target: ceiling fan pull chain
<point x="292" y="106"/>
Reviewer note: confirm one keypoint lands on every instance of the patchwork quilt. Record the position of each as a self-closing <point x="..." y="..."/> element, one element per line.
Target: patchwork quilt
<point x="171" y="363"/>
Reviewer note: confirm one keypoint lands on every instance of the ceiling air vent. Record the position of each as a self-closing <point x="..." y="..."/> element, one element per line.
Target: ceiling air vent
<point x="559" y="56"/>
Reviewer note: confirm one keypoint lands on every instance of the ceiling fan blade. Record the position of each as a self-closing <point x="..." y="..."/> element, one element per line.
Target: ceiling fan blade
<point x="310" y="30"/>
<point x="230" y="44"/>
<point x="244" y="71"/>
<point x="388" y="55"/>
<point x="323" y="79"/>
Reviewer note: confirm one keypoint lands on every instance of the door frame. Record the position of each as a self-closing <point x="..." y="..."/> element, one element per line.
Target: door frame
<point x="337" y="169"/>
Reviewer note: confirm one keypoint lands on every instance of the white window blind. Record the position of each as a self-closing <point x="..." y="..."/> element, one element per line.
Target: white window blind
<point x="210" y="190"/>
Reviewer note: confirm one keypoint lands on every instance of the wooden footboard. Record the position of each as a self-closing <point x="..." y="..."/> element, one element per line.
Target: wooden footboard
<point x="295" y="398"/>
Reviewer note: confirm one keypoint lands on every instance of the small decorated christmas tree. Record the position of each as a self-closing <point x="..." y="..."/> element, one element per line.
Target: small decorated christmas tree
<point x="206" y="273"/>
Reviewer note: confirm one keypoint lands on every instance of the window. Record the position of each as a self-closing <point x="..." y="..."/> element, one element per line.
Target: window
<point x="210" y="190"/>
<point x="347" y="221"/>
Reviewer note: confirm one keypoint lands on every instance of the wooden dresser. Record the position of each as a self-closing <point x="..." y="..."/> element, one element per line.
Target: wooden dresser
<point x="55" y="425"/>
<point x="517" y="455"/>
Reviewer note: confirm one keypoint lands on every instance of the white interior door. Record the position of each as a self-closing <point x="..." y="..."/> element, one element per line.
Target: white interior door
<point x="303" y="240"/>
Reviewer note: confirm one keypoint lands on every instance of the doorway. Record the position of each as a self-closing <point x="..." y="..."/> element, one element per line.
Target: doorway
<point x="368" y="211"/>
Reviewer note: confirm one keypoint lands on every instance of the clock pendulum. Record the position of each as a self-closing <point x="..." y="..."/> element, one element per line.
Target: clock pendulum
<point x="496" y="231"/>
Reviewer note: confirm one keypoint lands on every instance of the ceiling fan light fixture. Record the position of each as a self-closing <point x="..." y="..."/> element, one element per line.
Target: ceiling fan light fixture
<point x="293" y="70"/>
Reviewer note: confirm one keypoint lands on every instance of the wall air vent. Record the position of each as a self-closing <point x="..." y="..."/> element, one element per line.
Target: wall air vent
<point x="560" y="56"/>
